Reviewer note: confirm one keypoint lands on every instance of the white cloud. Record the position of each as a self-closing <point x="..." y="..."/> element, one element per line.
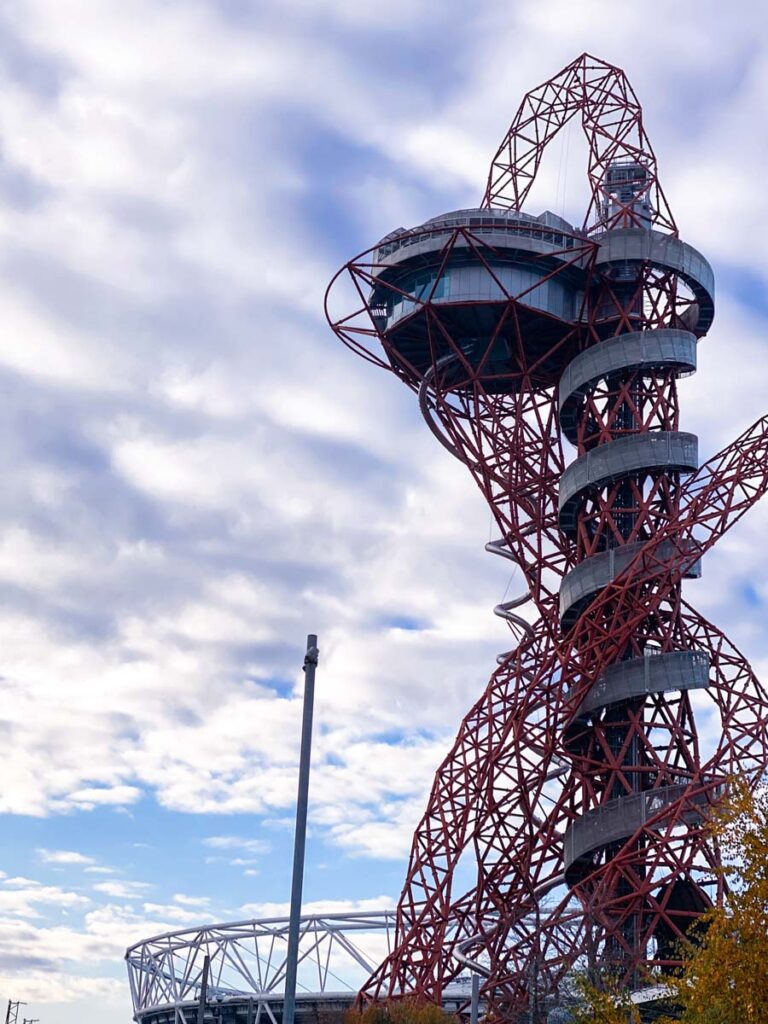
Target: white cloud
<point x="372" y="904"/>
<point x="237" y="843"/>
<point x="26" y="898"/>
<point x="122" y="890"/>
<point x="178" y="916"/>
<point x="65" y="857"/>
<point x="45" y="987"/>
<point x="191" y="901"/>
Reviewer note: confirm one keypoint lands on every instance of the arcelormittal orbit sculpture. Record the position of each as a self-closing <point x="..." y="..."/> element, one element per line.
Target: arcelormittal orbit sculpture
<point x="578" y="783"/>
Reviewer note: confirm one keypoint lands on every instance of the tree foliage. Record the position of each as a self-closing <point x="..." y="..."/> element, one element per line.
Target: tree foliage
<point x="602" y="1003"/>
<point x="400" y="1011"/>
<point x="724" y="979"/>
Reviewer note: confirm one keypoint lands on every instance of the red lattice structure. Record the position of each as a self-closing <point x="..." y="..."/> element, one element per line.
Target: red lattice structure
<point x="578" y="787"/>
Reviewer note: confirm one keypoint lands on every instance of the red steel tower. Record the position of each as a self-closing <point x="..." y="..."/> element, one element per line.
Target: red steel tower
<point x="580" y="782"/>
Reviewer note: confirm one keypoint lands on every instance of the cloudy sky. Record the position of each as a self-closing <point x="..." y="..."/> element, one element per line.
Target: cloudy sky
<point x="196" y="473"/>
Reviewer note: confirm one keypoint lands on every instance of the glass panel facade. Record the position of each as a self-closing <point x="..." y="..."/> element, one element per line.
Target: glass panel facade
<point x="477" y="283"/>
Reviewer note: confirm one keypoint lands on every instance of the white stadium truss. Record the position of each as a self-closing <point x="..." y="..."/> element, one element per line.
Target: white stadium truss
<point x="337" y="952"/>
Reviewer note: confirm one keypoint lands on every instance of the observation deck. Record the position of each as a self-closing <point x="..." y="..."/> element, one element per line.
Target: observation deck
<point x="448" y="288"/>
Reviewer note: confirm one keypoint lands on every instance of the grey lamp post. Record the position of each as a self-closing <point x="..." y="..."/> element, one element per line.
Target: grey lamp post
<point x="291" y="967"/>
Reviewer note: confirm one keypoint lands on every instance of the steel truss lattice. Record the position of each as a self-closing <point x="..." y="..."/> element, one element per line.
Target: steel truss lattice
<point x="248" y="962"/>
<point x="579" y="781"/>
